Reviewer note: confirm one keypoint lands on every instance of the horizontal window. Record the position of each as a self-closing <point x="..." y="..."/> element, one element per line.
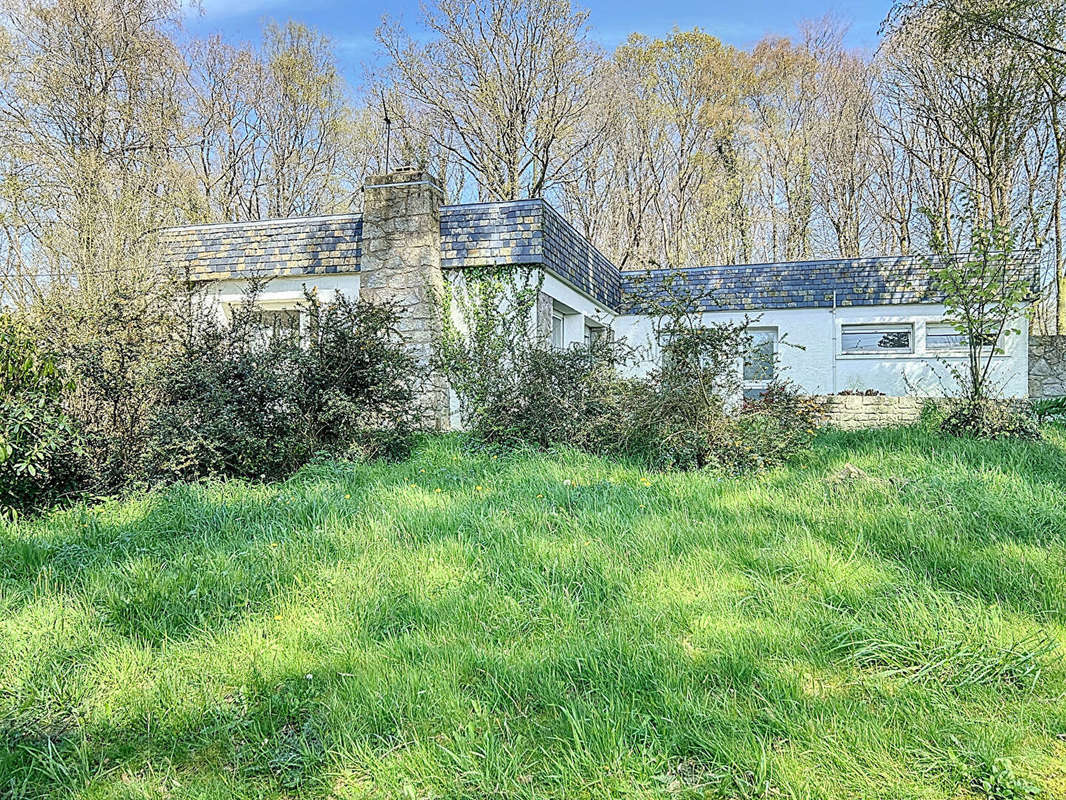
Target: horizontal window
<point x="945" y="336"/>
<point x="280" y="321"/>
<point x="876" y="339"/>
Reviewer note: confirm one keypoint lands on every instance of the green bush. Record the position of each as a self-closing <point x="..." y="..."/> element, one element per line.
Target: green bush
<point x="989" y="419"/>
<point x="236" y="401"/>
<point x="771" y="429"/>
<point x="685" y="414"/>
<point x="38" y="440"/>
<point x="1050" y="409"/>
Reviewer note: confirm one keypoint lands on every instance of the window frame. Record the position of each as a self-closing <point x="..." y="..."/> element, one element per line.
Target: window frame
<point x="558" y="317"/>
<point x="273" y="307"/>
<point x="759" y="385"/>
<point x="883" y="327"/>
<point x="293" y="314"/>
<point x="959" y="349"/>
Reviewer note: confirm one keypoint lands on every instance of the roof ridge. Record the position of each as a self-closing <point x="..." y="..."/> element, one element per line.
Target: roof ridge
<point x="812" y="261"/>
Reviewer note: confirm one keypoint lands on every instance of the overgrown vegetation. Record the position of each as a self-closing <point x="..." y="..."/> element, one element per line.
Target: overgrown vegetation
<point x="238" y="400"/>
<point x="38" y="442"/>
<point x="986" y="291"/>
<point x="157" y="386"/>
<point x="476" y="624"/>
<point x="685" y="412"/>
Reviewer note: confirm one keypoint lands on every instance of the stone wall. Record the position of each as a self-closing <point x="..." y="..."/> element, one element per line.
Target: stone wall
<point x="401" y="262"/>
<point x="856" y="412"/>
<point x="1047" y="366"/>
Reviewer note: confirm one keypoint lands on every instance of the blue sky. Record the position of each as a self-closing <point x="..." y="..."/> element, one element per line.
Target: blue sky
<point x="351" y="24"/>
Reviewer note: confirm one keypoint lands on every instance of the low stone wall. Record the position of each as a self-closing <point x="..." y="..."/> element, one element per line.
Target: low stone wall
<point x="855" y="412"/>
<point x="1047" y="366"/>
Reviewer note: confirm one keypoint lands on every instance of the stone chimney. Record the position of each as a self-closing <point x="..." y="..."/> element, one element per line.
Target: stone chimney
<point x="400" y="261"/>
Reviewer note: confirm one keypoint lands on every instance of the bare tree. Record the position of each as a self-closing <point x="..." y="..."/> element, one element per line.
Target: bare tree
<point x="267" y="132"/>
<point x="843" y="151"/>
<point x="981" y="99"/>
<point x="501" y="86"/>
<point x="88" y="115"/>
<point x="782" y="106"/>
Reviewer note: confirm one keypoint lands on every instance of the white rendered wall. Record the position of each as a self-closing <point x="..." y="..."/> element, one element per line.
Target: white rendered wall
<point x="282" y="293"/>
<point x="808" y="356"/>
<point x="810" y="353"/>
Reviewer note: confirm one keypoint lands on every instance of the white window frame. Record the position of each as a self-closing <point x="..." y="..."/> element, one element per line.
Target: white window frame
<point x="959" y="349"/>
<point x="944" y="323"/>
<point x="885" y="326"/>
<point x="558" y="327"/>
<point x="270" y="306"/>
<point x="757" y="385"/>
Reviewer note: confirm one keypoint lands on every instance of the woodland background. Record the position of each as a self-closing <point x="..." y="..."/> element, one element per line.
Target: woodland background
<point x="677" y="151"/>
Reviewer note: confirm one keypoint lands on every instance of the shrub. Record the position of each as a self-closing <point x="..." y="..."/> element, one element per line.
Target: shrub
<point x="989" y="419"/>
<point x="685" y="414"/>
<point x="235" y="401"/>
<point x="38" y="440"/>
<point x="771" y="429"/>
<point x="552" y="397"/>
<point x="111" y="340"/>
<point x="1049" y="409"/>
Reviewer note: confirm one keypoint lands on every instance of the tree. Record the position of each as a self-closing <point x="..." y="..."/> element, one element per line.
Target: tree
<point x="88" y="115"/>
<point x="501" y="86"/>
<point x="267" y="131"/>
<point x="986" y="291"/>
<point x="843" y="146"/>
<point x="982" y="99"/>
<point x="782" y="106"/>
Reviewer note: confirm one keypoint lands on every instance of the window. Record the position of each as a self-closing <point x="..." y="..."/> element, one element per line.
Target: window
<point x="759" y="362"/>
<point x="945" y="336"/>
<point x="557" y="331"/>
<point x="278" y="323"/>
<point x="876" y="339"/>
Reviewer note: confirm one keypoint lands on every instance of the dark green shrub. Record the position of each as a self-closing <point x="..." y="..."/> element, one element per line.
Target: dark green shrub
<point x="552" y="397"/>
<point x="111" y="341"/>
<point x="772" y="428"/>
<point x="38" y="441"/>
<point x="236" y="401"/>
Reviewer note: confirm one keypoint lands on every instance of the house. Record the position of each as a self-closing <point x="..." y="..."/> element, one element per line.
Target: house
<point x="872" y="323"/>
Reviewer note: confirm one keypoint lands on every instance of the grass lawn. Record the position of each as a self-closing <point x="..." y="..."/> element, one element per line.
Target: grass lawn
<point x="558" y="626"/>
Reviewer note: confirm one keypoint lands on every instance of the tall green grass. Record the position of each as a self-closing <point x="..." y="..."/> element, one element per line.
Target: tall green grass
<point x="528" y="626"/>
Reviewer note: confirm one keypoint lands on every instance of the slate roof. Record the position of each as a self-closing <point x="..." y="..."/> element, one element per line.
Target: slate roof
<point x="487" y="234"/>
<point x="792" y="284"/>
<point x="526" y="232"/>
<point x="293" y="246"/>
<point x="573" y="258"/>
<point x="532" y="232"/>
